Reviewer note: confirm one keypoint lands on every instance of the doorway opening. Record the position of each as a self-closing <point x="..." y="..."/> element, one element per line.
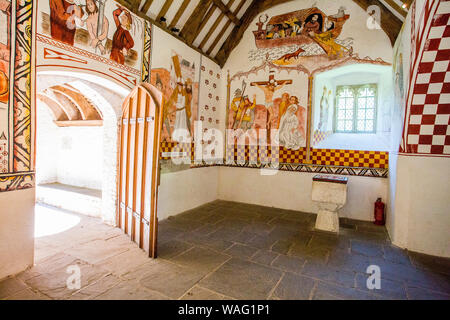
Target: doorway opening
<point x="77" y="124"/>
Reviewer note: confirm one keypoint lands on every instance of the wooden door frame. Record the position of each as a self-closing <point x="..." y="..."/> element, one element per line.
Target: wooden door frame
<point x="156" y="99"/>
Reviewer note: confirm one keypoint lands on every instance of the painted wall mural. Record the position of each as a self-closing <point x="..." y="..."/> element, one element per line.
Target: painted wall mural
<point x="288" y="51"/>
<point x="98" y="36"/>
<point x="16" y="108"/>
<point x="176" y="72"/>
<point x="427" y="117"/>
<point x="5" y="56"/>
<point x="264" y="104"/>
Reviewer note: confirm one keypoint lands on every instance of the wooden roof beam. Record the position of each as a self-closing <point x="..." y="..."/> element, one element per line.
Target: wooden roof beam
<point x="164" y="9"/>
<point x="196" y="21"/>
<point x="164" y="28"/>
<point x="390" y="24"/>
<point x="235" y="36"/>
<point x="224" y="29"/>
<point x="179" y="13"/>
<point x="397" y="8"/>
<point x="146" y="5"/>
<point x="226" y="10"/>
<point x="214" y="26"/>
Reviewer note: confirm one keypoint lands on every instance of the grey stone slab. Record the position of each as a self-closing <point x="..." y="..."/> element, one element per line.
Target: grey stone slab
<point x="342" y="259"/>
<point x="265" y="257"/>
<point x="367" y="249"/>
<point x="431" y="263"/>
<point x="170" y="279"/>
<point x="329" y="274"/>
<point x="28" y="294"/>
<point x="226" y="233"/>
<point x="417" y="293"/>
<point x="330" y="242"/>
<point x="282" y="246"/>
<point x="98" y="250"/>
<point x="10" y="286"/>
<point x="170" y="249"/>
<point x="396" y="255"/>
<point x="97" y="288"/>
<point x="52" y="263"/>
<point x="183" y="223"/>
<point x="262" y="242"/>
<point x="125" y="262"/>
<point x="241" y="251"/>
<point x="413" y="276"/>
<point x="310" y="253"/>
<point x="259" y="228"/>
<point x="199" y="258"/>
<point x="389" y="289"/>
<point x="54" y="285"/>
<point x="168" y="233"/>
<point x="242" y="279"/>
<point x="130" y="291"/>
<point x="288" y="263"/>
<point x="330" y="291"/>
<point x="294" y="287"/>
<point x="199" y="293"/>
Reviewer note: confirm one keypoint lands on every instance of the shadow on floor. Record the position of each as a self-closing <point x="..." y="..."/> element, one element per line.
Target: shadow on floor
<point x="226" y="250"/>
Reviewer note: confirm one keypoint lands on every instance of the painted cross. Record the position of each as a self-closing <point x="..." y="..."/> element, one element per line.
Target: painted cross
<point x="269" y="88"/>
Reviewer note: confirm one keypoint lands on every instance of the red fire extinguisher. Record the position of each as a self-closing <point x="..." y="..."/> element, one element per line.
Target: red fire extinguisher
<point x="379" y="213"/>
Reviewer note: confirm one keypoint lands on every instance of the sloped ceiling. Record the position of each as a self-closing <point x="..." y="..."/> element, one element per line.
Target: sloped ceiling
<point x="215" y="27"/>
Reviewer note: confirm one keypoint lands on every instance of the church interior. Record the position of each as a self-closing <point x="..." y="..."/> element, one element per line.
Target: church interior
<point x="224" y="150"/>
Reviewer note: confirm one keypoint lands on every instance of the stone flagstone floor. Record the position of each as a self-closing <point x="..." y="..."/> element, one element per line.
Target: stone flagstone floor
<point x="226" y="250"/>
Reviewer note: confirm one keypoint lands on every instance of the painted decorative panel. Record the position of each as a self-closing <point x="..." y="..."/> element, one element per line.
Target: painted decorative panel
<point x="16" y="105"/>
<point x="92" y="36"/>
<point x="427" y="120"/>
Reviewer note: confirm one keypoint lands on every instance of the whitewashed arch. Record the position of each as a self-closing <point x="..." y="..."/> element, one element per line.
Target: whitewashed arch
<point x="108" y="98"/>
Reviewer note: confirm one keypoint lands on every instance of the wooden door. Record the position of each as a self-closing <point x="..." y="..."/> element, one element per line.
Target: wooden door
<point x="139" y="166"/>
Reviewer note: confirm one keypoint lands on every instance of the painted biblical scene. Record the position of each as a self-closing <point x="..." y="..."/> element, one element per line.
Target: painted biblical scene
<point x="176" y="72"/>
<point x="102" y="27"/>
<point x="304" y="37"/>
<point x="5" y="54"/>
<point x="271" y="103"/>
<point x="180" y="91"/>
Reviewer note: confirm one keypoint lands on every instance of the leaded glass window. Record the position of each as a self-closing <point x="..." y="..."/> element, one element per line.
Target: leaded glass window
<point x="356" y="108"/>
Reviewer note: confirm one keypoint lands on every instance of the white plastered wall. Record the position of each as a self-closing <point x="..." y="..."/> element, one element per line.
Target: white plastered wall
<point x="16" y="231"/>
<point x="292" y="191"/>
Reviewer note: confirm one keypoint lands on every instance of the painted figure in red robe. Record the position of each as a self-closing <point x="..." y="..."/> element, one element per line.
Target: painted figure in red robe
<point x="313" y="25"/>
<point x="62" y="20"/>
<point x="122" y="41"/>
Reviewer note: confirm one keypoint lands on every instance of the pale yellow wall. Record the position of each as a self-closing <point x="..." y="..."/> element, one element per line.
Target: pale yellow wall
<point x="16" y="231"/>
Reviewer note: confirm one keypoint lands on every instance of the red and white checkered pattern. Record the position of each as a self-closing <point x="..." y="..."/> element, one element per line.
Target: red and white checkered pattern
<point x="428" y="130"/>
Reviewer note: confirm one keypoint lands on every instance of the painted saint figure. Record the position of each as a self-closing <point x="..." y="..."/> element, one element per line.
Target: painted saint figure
<point x="289" y="135"/>
<point x="62" y="20"/>
<point x="92" y="22"/>
<point x="313" y="25"/>
<point x="5" y="8"/>
<point x="181" y="97"/>
<point x="243" y="111"/>
<point x="324" y="102"/>
<point x="122" y="40"/>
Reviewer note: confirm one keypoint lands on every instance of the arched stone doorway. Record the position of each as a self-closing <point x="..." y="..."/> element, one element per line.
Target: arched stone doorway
<point x="102" y="95"/>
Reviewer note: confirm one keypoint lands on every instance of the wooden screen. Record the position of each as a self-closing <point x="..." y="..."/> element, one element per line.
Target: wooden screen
<point x="139" y="166"/>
